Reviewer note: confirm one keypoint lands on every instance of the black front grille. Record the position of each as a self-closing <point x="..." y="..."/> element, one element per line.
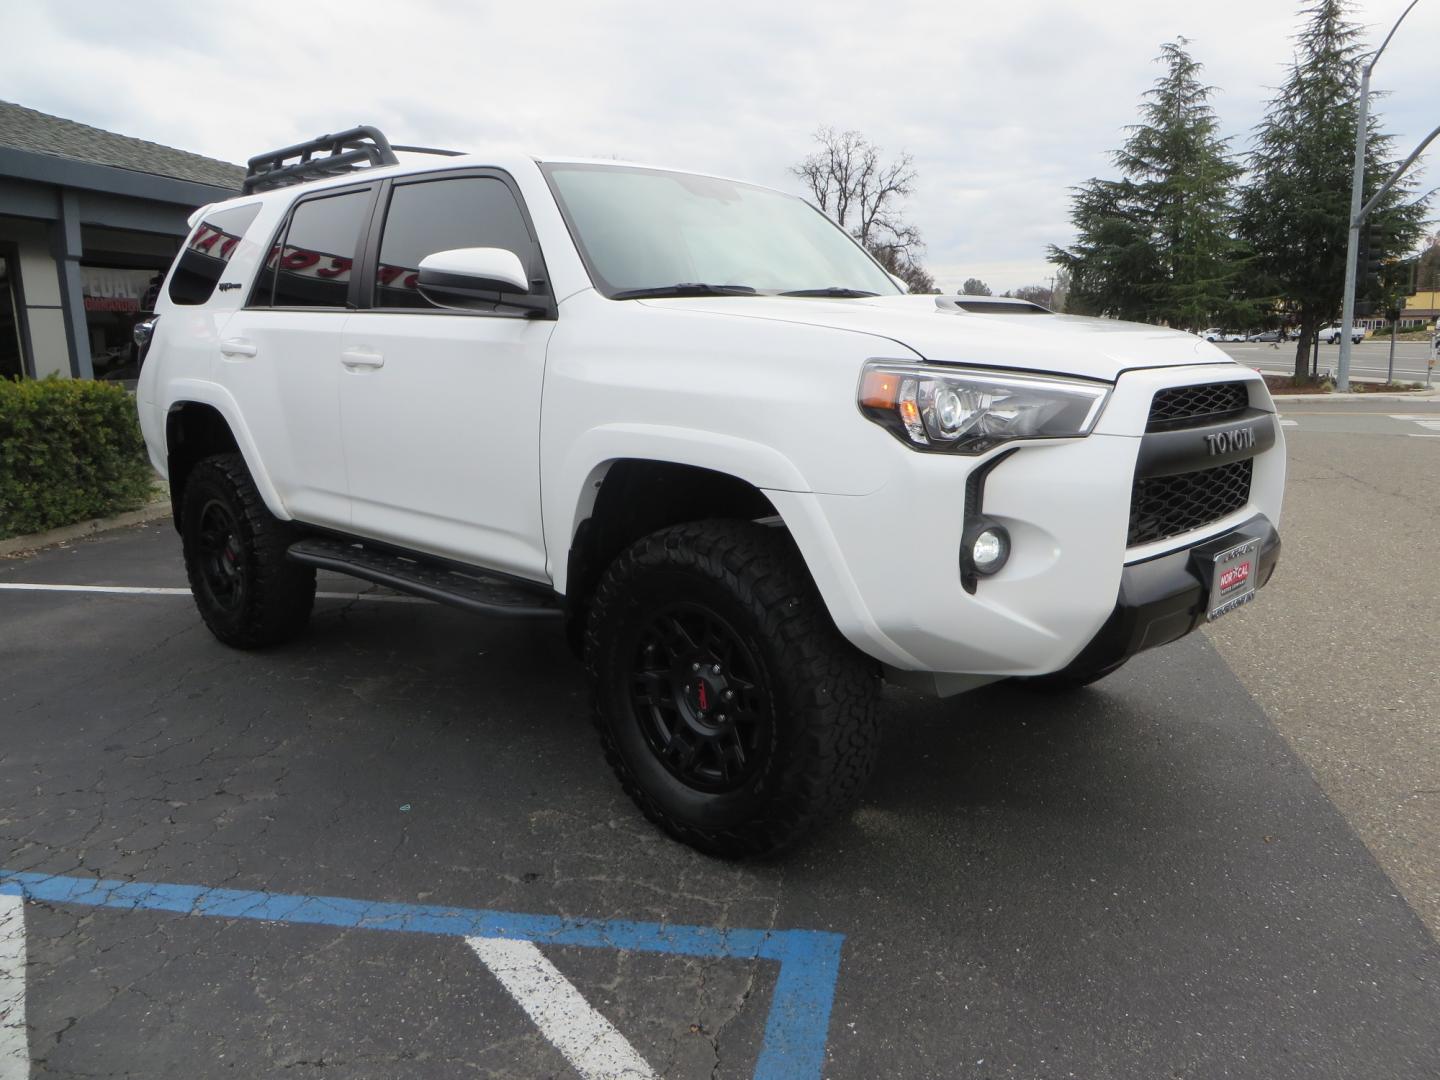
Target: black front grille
<point x="1191" y="406"/>
<point x="1165" y="506"/>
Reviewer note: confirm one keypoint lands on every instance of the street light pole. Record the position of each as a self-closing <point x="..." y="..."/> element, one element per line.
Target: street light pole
<point x="1357" y="213"/>
<point x="1352" y="245"/>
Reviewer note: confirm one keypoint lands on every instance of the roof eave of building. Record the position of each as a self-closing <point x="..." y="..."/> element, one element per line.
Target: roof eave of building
<point x="88" y="176"/>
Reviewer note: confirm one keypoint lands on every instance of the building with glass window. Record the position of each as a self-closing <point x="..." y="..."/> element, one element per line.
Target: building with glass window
<point x="89" y="221"/>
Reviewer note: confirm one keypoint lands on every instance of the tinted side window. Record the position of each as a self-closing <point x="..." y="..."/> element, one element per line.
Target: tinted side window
<point x="313" y="267"/>
<point x="438" y="215"/>
<point x="202" y="260"/>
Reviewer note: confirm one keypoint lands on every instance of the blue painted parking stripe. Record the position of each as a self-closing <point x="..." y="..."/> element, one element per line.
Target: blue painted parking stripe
<point x="795" y="1031"/>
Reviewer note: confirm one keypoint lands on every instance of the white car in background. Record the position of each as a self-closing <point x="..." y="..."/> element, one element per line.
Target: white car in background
<point x="1330" y="335"/>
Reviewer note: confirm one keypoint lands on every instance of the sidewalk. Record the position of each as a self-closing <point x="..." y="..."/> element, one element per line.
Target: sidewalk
<point x="158" y="507"/>
<point x="1433" y="394"/>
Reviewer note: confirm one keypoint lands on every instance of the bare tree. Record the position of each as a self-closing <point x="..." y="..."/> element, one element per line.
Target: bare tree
<point x="1427" y="271"/>
<point x="898" y="262"/>
<point x="1036" y="294"/>
<point x="862" y="193"/>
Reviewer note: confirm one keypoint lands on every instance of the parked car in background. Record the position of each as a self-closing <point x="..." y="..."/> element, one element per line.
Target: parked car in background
<point x="1213" y="334"/>
<point x="1267" y="335"/>
<point x="1330" y="335"/>
<point x="1233" y="335"/>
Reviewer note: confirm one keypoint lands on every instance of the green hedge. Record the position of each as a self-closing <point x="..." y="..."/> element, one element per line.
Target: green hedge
<point x="70" y="450"/>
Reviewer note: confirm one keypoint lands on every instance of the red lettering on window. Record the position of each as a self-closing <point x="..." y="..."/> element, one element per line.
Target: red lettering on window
<point x="295" y="259"/>
<point x="337" y="267"/>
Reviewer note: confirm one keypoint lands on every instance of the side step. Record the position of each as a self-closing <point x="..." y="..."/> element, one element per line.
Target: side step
<point x="477" y="592"/>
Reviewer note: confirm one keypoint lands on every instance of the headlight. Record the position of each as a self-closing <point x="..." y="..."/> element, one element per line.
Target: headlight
<point x="967" y="411"/>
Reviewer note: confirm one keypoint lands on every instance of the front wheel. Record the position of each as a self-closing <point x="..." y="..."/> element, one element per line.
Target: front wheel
<point x="731" y="709"/>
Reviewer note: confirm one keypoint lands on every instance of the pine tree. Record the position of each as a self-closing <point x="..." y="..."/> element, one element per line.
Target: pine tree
<point x="1295" y="211"/>
<point x="1157" y="245"/>
<point x="1427" y="270"/>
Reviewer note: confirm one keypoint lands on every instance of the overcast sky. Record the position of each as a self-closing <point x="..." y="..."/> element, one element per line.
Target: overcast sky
<point x="1003" y="105"/>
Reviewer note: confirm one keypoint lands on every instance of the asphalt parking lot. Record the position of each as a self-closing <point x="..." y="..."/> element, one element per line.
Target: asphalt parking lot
<point x="1370" y="359"/>
<point x="392" y="849"/>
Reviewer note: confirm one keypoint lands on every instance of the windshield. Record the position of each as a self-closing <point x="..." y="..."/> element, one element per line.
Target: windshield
<point x="656" y="233"/>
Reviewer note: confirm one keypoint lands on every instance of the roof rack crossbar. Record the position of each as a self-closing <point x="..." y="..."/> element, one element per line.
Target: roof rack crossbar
<point x="428" y="150"/>
<point x="327" y="155"/>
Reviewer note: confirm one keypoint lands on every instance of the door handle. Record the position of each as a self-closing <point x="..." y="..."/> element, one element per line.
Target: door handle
<point x="361" y="358"/>
<point x="236" y="347"/>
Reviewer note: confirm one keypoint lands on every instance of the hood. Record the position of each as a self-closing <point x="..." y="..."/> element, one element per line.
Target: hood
<point x="936" y="329"/>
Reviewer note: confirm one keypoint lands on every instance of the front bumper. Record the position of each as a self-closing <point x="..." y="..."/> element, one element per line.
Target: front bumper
<point x="1165" y="598"/>
<point x="887" y="563"/>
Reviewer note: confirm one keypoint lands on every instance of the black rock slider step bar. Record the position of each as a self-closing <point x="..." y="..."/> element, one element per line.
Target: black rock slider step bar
<point x="475" y="591"/>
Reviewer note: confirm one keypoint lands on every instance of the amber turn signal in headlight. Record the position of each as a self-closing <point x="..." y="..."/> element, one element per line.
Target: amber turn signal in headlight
<point x="968" y="411"/>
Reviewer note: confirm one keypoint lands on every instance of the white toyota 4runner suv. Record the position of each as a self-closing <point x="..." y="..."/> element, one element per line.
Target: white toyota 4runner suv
<point x="693" y="420"/>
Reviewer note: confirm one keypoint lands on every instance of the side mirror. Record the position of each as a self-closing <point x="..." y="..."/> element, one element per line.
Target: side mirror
<point x="467" y="277"/>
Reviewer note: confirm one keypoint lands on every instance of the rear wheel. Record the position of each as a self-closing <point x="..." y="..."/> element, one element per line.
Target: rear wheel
<point x="248" y="593"/>
<point x="731" y="709"/>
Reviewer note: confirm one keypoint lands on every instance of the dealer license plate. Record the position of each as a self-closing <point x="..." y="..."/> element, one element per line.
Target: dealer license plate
<point x="1234" y="578"/>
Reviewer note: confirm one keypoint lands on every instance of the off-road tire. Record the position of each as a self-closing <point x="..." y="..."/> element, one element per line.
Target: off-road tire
<point x="272" y="597"/>
<point x="824" y="727"/>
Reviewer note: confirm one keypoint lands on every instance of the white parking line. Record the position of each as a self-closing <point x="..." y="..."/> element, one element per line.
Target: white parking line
<point x="137" y="590"/>
<point x="589" y="1042"/>
<point x="14" y="1051"/>
<point x="1289" y="423"/>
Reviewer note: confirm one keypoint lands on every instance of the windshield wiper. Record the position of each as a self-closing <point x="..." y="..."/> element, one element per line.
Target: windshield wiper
<point x="832" y="290"/>
<point x="683" y="288"/>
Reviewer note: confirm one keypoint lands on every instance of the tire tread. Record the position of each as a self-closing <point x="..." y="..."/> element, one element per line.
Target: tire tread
<point x="282" y="592"/>
<point x="826" y="684"/>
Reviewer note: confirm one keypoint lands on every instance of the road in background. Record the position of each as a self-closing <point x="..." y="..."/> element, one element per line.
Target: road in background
<point x="1391" y="415"/>
<point x="1368" y="360"/>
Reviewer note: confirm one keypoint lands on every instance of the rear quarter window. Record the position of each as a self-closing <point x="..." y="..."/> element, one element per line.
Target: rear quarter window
<point x="201" y="263"/>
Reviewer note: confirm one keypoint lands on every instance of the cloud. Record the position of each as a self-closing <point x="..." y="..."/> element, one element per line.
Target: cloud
<point x="1004" y="107"/>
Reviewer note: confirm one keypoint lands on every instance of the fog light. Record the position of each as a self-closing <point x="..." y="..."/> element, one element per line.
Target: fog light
<point x="987" y="547"/>
<point x="988" y="551"/>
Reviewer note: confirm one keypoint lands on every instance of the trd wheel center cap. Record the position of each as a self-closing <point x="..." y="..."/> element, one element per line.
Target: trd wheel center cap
<point x="706" y="696"/>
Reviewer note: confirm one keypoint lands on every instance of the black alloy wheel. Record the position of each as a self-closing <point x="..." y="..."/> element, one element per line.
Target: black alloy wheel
<point x="698" y="700"/>
<point x="223" y="573"/>
<point x="249" y="594"/>
<point x="732" y="710"/>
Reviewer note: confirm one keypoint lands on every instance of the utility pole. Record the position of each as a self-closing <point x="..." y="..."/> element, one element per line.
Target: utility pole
<point x="1394" y="329"/>
<point x="1357" y="212"/>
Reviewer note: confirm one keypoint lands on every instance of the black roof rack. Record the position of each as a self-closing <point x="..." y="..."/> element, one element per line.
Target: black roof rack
<point x="328" y="155"/>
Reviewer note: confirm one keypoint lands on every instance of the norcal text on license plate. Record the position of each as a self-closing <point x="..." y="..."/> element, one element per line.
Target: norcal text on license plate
<point x="1234" y="578"/>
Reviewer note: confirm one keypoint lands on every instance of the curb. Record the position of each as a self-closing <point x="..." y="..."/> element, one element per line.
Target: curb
<point x="1413" y="395"/>
<point x="153" y="511"/>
